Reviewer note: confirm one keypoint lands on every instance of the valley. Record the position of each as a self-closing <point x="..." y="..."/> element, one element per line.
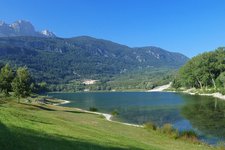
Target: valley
<point x="85" y="92"/>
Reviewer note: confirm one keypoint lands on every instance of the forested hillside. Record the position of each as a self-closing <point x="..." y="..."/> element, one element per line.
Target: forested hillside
<point x="58" y="60"/>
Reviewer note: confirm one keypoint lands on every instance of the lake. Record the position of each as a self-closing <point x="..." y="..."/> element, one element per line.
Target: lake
<point x="203" y="114"/>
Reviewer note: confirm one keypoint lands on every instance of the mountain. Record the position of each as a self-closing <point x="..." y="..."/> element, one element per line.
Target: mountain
<point x="48" y="33"/>
<point x="22" y="28"/>
<point x="59" y="60"/>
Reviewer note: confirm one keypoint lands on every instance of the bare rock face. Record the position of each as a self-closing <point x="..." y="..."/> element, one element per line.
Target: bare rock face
<point x="5" y="29"/>
<point x="22" y="28"/>
<point x="47" y="33"/>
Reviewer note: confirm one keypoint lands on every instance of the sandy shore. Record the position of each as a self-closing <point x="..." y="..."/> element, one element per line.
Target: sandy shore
<point x="65" y="102"/>
<point x="189" y="91"/>
<point x="61" y="103"/>
<point x="108" y="117"/>
<point x="160" y="88"/>
<point x="216" y="95"/>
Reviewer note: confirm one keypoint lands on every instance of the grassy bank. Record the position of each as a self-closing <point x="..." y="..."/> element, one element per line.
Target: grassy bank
<point x="36" y="126"/>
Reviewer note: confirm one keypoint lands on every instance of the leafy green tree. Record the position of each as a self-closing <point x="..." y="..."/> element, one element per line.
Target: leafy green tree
<point x="6" y="77"/>
<point x="186" y="75"/>
<point x="22" y="83"/>
<point x="38" y="87"/>
<point x="176" y="82"/>
<point x="221" y="79"/>
<point x="203" y="70"/>
<point x="42" y="87"/>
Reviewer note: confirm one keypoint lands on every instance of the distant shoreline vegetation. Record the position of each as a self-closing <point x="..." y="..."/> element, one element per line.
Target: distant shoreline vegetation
<point x="139" y="80"/>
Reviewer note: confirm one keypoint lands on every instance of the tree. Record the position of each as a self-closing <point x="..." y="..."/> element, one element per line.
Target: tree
<point x="221" y="79"/>
<point x="203" y="70"/>
<point x="1" y="65"/>
<point x="22" y="83"/>
<point x="6" y="77"/>
<point x="41" y="87"/>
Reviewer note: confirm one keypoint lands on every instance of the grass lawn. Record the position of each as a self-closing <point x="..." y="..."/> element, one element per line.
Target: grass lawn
<point x="35" y="126"/>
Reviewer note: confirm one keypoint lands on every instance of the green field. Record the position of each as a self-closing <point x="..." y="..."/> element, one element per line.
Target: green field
<point x="35" y="126"/>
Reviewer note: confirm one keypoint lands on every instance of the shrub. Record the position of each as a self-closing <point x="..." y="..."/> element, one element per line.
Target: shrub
<point x="189" y="135"/>
<point x="115" y="112"/>
<point x="93" y="109"/>
<point x="169" y="130"/>
<point x="150" y="126"/>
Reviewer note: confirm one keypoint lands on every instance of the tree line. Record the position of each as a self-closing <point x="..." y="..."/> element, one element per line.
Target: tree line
<point x="18" y="81"/>
<point x="206" y="70"/>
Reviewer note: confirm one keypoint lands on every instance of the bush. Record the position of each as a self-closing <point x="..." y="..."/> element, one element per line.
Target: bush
<point x="169" y="130"/>
<point x="115" y="112"/>
<point x="189" y="135"/>
<point x="150" y="126"/>
<point x="93" y="109"/>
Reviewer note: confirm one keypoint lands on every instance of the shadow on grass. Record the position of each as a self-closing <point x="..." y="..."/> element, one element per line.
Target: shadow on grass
<point x="44" y="108"/>
<point x="39" y="107"/>
<point x="49" y="109"/>
<point x="76" y="112"/>
<point x="19" y="138"/>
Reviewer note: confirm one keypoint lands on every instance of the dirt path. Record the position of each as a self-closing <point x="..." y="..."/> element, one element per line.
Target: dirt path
<point x="160" y="88"/>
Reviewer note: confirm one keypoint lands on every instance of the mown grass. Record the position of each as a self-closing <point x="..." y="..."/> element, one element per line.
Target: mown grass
<point x="40" y="127"/>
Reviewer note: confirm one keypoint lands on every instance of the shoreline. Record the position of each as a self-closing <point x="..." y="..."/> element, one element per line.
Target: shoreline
<point x="160" y="88"/>
<point x="164" y="87"/>
<point x="215" y="95"/>
<point x="61" y="103"/>
<point x="108" y="117"/>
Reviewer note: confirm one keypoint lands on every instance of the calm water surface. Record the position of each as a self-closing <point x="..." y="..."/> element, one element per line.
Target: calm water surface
<point x="205" y="115"/>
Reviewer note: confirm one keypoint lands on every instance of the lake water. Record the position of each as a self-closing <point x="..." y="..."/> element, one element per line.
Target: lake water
<point x="203" y="114"/>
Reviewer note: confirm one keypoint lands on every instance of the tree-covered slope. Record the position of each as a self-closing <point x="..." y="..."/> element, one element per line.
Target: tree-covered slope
<point x="58" y="60"/>
<point x="203" y="71"/>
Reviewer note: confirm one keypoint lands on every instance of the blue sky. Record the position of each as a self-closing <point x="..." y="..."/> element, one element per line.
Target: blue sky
<point x="186" y="26"/>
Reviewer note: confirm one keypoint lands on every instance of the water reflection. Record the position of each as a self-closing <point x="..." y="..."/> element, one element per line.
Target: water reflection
<point x="158" y="115"/>
<point x="205" y="114"/>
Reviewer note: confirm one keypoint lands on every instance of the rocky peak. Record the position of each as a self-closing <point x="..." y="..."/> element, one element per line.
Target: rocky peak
<point x="22" y="28"/>
<point x="48" y="33"/>
<point x="2" y="23"/>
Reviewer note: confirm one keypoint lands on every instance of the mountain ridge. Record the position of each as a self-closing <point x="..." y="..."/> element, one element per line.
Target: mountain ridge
<point x="22" y="28"/>
<point x="57" y="60"/>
